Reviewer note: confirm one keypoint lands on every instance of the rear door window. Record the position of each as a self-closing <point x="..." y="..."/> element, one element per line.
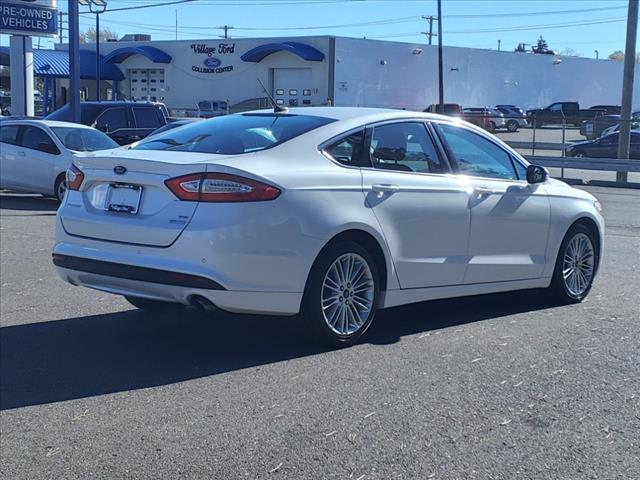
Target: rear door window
<point x="112" y="119"/>
<point x="34" y="137"/>
<point x="147" y="117"/>
<point x="9" y="134"/>
<point x="405" y="147"/>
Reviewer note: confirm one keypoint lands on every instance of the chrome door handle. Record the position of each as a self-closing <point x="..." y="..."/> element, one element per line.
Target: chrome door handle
<point x="384" y="188"/>
<point x="483" y="191"/>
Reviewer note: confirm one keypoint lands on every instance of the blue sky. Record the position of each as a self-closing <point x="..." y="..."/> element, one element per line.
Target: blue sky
<point x="585" y="25"/>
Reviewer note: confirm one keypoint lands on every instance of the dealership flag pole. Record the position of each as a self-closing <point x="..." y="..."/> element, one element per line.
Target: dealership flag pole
<point x="627" y="86"/>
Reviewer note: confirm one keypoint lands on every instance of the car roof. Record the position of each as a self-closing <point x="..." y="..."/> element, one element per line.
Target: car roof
<point x="47" y="123"/>
<point x="351" y="113"/>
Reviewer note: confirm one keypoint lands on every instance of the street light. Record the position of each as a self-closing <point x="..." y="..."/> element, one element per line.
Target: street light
<point x="100" y="7"/>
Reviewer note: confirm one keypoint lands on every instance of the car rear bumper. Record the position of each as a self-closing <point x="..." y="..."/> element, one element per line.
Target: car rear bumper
<point x="266" y="303"/>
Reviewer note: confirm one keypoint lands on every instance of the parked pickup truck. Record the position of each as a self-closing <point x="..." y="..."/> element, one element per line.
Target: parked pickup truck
<point x="570" y="112"/>
<point x="125" y="122"/>
<point x="593" y="129"/>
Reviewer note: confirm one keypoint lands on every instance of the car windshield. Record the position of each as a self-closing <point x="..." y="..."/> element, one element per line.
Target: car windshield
<point x="83" y="139"/>
<point x="235" y="134"/>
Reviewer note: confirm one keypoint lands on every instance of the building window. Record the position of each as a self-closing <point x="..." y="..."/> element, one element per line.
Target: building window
<point x="279" y="101"/>
<point x="162" y="80"/>
<point x="306" y="92"/>
<point x="293" y="91"/>
<point x="153" y="80"/>
<point x="306" y="101"/>
<point x="279" y="91"/>
<point x="134" y="80"/>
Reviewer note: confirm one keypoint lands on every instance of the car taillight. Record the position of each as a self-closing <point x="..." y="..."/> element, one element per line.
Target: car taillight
<point x="74" y="178"/>
<point x="220" y="187"/>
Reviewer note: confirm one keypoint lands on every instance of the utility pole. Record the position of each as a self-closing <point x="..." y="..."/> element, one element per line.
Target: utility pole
<point x="430" y="33"/>
<point x="74" y="61"/>
<point x="499" y="41"/>
<point x="440" y="79"/>
<point x="627" y="86"/>
<point x="226" y="29"/>
<point x="176" y="23"/>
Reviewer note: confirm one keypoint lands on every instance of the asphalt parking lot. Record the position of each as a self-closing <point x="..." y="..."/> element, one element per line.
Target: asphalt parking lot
<point x="506" y="386"/>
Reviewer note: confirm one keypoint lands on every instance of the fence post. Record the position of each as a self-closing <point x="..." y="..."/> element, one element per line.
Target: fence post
<point x="564" y="128"/>
<point x="533" y="145"/>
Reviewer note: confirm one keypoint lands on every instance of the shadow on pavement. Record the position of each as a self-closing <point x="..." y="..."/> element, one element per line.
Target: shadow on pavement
<point x="86" y="356"/>
<point x="34" y="203"/>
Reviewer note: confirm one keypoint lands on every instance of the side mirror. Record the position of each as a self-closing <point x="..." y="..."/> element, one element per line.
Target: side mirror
<point x="537" y="174"/>
<point x="47" y="147"/>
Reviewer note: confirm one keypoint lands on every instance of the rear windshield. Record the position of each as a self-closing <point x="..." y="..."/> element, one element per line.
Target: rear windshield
<point x="83" y="139"/>
<point x="234" y="134"/>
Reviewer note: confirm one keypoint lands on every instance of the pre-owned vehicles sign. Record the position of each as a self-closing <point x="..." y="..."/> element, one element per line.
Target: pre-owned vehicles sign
<point x="29" y="17"/>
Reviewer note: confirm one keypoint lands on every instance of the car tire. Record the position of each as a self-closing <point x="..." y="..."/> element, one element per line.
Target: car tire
<point x="576" y="265"/>
<point x="155" y="306"/>
<point x="337" y="311"/>
<point x="60" y="187"/>
<point x="512" y="126"/>
<point x="491" y="127"/>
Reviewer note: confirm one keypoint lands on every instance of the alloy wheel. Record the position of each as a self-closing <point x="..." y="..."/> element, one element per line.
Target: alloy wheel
<point x="578" y="265"/>
<point x="348" y="293"/>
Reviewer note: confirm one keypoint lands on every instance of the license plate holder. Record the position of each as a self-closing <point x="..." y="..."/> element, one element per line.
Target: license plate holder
<point x="123" y="198"/>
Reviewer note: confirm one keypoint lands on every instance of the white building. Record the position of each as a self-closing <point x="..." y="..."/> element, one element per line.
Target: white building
<point x="319" y="70"/>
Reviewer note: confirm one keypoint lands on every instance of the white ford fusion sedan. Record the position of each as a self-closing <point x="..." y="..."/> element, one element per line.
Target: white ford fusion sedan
<point x="329" y="212"/>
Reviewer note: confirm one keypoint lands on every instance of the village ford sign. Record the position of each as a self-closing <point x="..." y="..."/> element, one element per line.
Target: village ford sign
<point x="29" y="17"/>
<point x="212" y="64"/>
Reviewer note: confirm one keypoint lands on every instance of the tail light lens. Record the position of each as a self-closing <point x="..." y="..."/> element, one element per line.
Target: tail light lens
<point x="220" y="187"/>
<point x="75" y="177"/>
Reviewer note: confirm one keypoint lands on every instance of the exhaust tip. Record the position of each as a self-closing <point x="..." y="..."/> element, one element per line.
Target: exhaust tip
<point x="202" y="304"/>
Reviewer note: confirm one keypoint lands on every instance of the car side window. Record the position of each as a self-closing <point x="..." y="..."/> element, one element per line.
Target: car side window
<point x="405" y="147"/>
<point x="34" y="138"/>
<point x="112" y="119"/>
<point x="9" y="134"/>
<point x="610" y="139"/>
<point x="348" y="150"/>
<point x="475" y="155"/>
<point x="147" y="117"/>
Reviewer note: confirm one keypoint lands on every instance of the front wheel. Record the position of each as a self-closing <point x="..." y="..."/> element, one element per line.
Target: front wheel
<point x="575" y="266"/>
<point x="341" y="295"/>
<point x="512" y="126"/>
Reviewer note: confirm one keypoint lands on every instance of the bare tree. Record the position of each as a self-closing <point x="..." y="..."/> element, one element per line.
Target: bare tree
<point x="89" y="35"/>
<point x="570" y="52"/>
<point x="618" y="55"/>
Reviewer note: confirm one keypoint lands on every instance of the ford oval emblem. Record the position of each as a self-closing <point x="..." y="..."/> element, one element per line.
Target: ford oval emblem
<point x="119" y="170"/>
<point x="212" y="62"/>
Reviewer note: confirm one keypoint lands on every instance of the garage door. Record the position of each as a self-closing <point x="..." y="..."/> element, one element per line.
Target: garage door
<point x="292" y="86"/>
<point x="146" y="84"/>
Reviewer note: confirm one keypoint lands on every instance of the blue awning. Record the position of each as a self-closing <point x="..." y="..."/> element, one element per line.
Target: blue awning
<point x="55" y="64"/>
<point x="304" y="51"/>
<point x="154" y="54"/>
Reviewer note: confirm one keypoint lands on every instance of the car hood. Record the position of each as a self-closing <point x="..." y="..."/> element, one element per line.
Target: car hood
<point x="584" y="143"/>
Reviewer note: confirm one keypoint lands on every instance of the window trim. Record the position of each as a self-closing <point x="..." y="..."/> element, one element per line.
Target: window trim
<point x="452" y="159"/>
